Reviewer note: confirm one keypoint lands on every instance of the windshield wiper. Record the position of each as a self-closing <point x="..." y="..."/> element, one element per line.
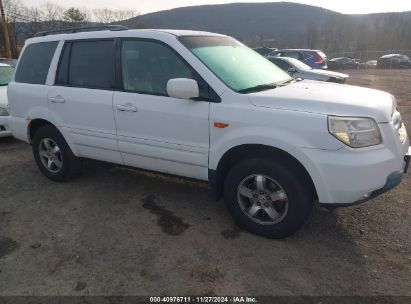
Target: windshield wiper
<point x="286" y="82"/>
<point x="258" y="88"/>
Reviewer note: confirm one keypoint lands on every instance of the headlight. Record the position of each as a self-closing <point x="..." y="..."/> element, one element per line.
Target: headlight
<point x="356" y="132"/>
<point x="3" y="112"/>
<point x="402" y="133"/>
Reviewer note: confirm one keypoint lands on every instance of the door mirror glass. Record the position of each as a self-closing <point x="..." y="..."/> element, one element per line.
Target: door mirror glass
<point x="182" y="88"/>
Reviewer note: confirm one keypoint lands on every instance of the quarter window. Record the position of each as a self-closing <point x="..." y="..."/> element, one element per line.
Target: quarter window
<point x="35" y="63"/>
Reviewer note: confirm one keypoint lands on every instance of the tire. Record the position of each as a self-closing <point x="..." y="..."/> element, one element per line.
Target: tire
<point x="284" y="191"/>
<point x="58" y="164"/>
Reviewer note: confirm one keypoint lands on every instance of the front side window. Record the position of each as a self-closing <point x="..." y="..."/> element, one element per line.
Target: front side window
<point x="35" y="63"/>
<point x="299" y="65"/>
<point x="147" y="66"/>
<point x="295" y="55"/>
<point x="239" y="67"/>
<point x="6" y="73"/>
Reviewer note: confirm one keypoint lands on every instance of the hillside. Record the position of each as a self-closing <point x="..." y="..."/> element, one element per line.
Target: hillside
<point x="284" y="24"/>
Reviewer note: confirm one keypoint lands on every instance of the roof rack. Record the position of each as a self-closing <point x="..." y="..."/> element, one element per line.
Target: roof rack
<point x="83" y="29"/>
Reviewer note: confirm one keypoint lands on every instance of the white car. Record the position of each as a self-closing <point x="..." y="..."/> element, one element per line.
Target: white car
<point x="205" y="106"/>
<point x="298" y="69"/>
<point x="6" y="73"/>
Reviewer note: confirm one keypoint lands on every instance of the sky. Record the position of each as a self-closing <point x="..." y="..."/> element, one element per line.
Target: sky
<point x="147" y="6"/>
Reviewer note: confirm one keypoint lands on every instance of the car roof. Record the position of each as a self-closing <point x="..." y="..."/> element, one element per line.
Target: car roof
<point x="4" y="65"/>
<point x="143" y="33"/>
<point x="392" y="55"/>
<point x="303" y="50"/>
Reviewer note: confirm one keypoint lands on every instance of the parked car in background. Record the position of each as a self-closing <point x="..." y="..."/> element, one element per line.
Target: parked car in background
<point x="298" y="69"/>
<point x="9" y="61"/>
<point x="370" y="64"/>
<point x="394" y="61"/>
<point x="6" y="74"/>
<point x="205" y="106"/>
<point x="341" y="63"/>
<point x="313" y="58"/>
<point x="263" y="50"/>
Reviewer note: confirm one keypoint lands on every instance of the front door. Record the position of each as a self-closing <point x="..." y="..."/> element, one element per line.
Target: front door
<point x="155" y="131"/>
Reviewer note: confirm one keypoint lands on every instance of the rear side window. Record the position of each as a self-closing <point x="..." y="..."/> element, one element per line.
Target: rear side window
<point x="35" y="63"/>
<point x="87" y="64"/>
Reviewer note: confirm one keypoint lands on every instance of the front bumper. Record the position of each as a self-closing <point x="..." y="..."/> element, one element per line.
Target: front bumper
<point x="348" y="176"/>
<point x="4" y="127"/>
<point x="393" y="180"/>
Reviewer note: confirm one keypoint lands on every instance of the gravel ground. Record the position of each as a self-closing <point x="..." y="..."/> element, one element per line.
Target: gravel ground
<point x="117" y="231"/>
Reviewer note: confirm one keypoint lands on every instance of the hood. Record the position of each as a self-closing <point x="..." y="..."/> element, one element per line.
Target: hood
<point x="326" y="73"/>
<point x="328" y="98"/>
<point x="3" y="96"/>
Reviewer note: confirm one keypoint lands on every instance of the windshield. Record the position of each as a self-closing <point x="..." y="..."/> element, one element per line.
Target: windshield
<point x="6" y="72"/>
<point x="298" y="64"/>
<point x="239" y="67"/>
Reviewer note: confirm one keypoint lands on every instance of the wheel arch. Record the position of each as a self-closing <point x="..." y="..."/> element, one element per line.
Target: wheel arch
<point x="241" y="152"/>
<point x="36" y="123"/>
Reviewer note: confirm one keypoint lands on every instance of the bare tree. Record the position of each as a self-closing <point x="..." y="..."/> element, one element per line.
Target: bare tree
<point x="52" y="15"/>
<point x="34" y="20"/>
<point x="105" y="15"/>
<point x="15" y="14"/>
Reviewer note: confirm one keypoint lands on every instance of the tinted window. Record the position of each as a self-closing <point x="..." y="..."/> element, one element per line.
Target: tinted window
<point x="295" y="55"/>
<point x="35" y="63"/>
<point x="91" y="65"/>
<point x="281" y="64"/>
<point x="148" y="66"/>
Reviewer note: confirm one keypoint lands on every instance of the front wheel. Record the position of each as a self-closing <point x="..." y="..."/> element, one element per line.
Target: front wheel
<point x="267" y="198"/>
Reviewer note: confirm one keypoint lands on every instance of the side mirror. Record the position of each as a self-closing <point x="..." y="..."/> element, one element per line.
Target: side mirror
<point x="291" y="70"/>
<point x="182" y="88"/>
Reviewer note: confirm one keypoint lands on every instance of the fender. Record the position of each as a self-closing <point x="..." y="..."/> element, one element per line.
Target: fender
<point x="44" y="114"/>
<point x="230" y="141"/>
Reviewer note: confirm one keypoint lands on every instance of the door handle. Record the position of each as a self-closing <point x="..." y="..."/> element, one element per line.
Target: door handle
<point x="57" y="99"/>
<point x="126" y="107"/>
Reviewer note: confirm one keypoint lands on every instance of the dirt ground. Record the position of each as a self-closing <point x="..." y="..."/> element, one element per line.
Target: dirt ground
<point x="117" y="231"/>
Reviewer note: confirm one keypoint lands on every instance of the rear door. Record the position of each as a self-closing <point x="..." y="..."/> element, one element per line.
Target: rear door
<point x="155" y="131"/>
<point x="81" y="100"/>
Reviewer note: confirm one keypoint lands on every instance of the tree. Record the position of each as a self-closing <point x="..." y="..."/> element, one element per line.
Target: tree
<point x="73" y="16"/>
<point x="14" y="11"/>
<point x="105" y="15"/>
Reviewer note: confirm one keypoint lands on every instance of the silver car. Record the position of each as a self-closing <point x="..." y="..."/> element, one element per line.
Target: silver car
<point x="298" y="69"/>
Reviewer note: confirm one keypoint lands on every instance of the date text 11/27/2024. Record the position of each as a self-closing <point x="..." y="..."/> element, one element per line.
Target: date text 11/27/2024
<point x="203" y="299"/>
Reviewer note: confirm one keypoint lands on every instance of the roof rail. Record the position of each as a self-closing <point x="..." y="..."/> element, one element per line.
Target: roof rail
<point x="83" y="29"/>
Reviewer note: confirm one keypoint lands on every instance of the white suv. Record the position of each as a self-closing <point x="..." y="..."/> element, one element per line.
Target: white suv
<point x="204" y="106"/>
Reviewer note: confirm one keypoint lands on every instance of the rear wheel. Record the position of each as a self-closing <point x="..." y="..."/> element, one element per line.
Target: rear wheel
<point x="267" y="198"/>
<point x="53" y="155"/>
